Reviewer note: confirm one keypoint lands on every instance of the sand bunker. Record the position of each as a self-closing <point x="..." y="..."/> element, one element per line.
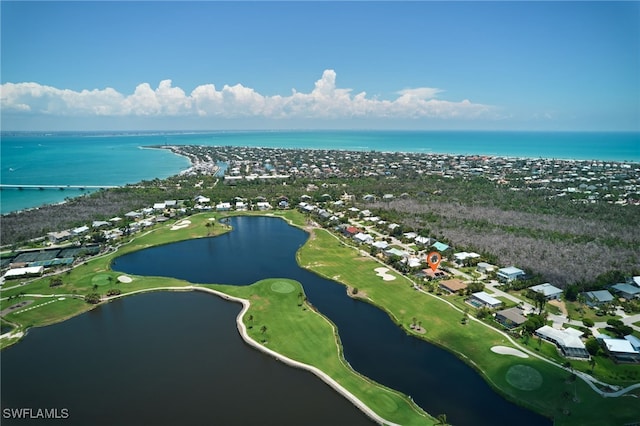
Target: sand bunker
<point x="382" y="272"/>
<point x="124" y="279"/>
<point x="180" y="225"/>
<point x="505" y="350"/>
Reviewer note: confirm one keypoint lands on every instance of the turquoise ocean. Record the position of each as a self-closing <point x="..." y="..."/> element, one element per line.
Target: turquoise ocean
<point x="120" y="158"/>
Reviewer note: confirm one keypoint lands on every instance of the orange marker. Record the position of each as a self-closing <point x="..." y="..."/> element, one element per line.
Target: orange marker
<point x="433" y="259"/>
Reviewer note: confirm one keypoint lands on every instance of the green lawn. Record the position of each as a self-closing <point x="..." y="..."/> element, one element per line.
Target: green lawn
<point x="298" y="332"/>
<point x="326" y="256"/>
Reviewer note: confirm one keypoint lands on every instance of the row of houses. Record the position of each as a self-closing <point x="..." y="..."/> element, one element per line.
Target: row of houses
<point x="569" y="342"/>
<point x="629" y="291"/>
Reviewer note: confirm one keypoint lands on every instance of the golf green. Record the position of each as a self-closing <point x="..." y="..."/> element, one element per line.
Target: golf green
<point x="524" y="377"/>
<point x="101" y="279"/>
<point x="282" y="287"/>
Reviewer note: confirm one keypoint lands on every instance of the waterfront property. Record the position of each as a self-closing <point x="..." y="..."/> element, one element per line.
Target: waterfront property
<point x="568" y="340"/>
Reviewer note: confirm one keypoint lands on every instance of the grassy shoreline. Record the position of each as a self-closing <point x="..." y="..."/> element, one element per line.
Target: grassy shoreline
<point x="329" y="257"/>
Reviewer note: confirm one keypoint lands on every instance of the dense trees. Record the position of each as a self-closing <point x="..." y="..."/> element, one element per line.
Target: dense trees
<point x="556" y="238"/>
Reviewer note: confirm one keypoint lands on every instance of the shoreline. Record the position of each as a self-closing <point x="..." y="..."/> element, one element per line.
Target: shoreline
<point x="242" y="330"/>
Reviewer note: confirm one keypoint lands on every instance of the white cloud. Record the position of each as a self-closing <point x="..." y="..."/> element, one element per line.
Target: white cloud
<point x="325" y="101"/>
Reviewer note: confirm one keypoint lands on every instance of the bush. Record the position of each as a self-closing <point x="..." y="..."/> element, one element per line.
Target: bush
<point x="592" y="346"/>
<point x="588" y="322"/>
<point x="92" y="298"/>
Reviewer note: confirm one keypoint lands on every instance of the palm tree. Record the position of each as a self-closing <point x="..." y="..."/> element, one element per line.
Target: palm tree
<point x="442" y="420"/>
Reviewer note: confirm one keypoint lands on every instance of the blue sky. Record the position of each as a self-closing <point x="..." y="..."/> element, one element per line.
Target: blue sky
<point x="417" y="65"/>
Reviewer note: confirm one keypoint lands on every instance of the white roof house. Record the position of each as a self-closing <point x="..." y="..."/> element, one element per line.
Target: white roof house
<point x="263" y="205"/>
<point x="202" y="199"/>
<point x="80" y="230"/>
<point x="380" y="245"/>
<point x="425" y="241"/>
<point x="414" y="262"/>
<point x="223" y="206"/>
<point x="550" y="292"/>
<point x="485" y="267"/>
<point x="486" y="299"/>
<point x="21" y="272"/>
<point x="159" y="206"/>
<point x="567" y="340"/>
<point x="621" y="349"/>
<point x="363" y="238"/>
<point x="463" y="255"/>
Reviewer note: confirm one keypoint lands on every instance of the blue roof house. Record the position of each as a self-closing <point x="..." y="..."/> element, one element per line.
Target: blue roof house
<point x="509" y="274"/>
<point x="627" y="291"/>
<point x="597" y="298"/>
<point x="550" y="292"/>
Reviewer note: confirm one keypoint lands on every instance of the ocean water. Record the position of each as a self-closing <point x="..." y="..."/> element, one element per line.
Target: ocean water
<point x="118" y="158"/>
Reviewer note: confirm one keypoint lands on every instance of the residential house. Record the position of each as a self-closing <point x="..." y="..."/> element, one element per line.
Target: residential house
<point x="409" y="236"/>
<point x="440" y="246"/>
<point x="510" y="273"/>
<point x="80" y="230"/>
<point x="363" y="238"/>
<point x="430" y="274"/>
<point x="627" y="291"/>
<point x="568" y="341"/>
<point x="133" y="215"/>
<point x="482" y="298"/>
<point x="620" y="350"/>
<point x="396" y="252"/>
<point x="263" y="205"/>
<point x="461" y="257"/>
<point x="485" y="268"/>
<point x="423" y="241"/>
<point x="159" y="206"/>
<point x="453" y="285"/>
<point x="58" y="237"/>
<point x="511" y="318"/>
<point x="223" y="207"/>
<point x="597" y="298"/>
<point x="380" y="245"/>
<point x="550" y="292"/>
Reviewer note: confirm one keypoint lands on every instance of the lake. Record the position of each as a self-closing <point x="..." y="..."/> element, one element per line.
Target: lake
<point x="162" y="359"/>
<point x="155" y="356"/>
<point x="262" y="247"/>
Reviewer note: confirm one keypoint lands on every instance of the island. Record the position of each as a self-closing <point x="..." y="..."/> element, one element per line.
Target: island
<point x="468" y="306"/>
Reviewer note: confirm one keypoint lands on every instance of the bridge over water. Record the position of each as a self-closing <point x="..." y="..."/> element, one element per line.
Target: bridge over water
<point x="60" y="187"/>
